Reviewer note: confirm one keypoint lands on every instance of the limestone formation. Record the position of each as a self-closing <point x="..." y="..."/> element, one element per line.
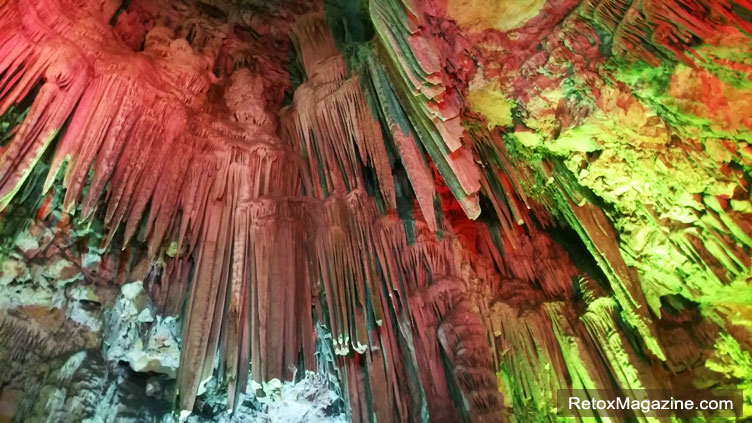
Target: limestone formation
<point x="371" y="210"/>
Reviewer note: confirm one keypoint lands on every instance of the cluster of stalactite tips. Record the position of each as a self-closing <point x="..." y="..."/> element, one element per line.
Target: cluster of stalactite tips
<point x="371" y="210"/>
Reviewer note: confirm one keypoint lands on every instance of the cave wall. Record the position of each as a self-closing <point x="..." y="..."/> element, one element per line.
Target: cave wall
<point x="447" y="210"/>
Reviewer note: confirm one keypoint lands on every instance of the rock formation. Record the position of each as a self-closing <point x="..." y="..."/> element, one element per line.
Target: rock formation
<point x="371" y="210"/>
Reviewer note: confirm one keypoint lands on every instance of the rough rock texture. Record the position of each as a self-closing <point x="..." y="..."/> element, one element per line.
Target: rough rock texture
<point x="308" y="400"/>
<point x="136" y="336"/>
<point x="383" y="210"/>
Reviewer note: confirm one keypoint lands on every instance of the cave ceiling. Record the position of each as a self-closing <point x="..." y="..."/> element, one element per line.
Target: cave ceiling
<point x="376" y="210"/>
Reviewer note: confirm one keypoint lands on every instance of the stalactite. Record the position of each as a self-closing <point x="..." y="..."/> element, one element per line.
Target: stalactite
<point x="410" y="155"/>
<point x="463" y="340"/>
<point x="202" y="190"/>
<point x="630" y="376"/>
<point x="330" y="111"/>
<point x="434" y="111"/>
<point x="641" y="28"/>
<point x="586" y="370"/>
